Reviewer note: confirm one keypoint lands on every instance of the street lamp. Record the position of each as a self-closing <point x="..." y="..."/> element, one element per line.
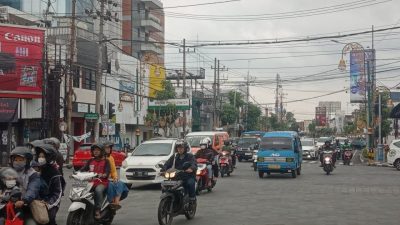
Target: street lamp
<point x="354" y="46"/>
<point x="137" y="133"/>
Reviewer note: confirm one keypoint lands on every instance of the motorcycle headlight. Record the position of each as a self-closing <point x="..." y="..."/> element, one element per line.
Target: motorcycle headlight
<point x="170" y="175"/>
<point x="198" y="172"/>
<point x="327" y="159"/>
<point x="124" y="164"/>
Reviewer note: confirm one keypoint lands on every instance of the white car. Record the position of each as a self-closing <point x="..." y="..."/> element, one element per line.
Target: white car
<point x="393" y="156"/>
<point x="321" y="141"/>
<point x="310" y="150"/>
<point x="142" y="166"/>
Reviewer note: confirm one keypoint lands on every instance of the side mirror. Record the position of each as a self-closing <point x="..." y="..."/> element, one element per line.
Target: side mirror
<point x="160" y="165"/>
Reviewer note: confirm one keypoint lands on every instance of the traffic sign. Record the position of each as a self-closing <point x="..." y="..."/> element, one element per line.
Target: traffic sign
<point x="91" y="116"/>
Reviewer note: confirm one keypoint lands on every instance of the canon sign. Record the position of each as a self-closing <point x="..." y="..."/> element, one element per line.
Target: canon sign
<point x="22" y="38"/>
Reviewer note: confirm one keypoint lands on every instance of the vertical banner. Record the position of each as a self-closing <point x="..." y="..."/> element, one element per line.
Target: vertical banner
<point x="320" y="116"/>
<point x="21" y="57"/>
<point x="157" y="76"/>
<point x="357" y="77"/>
<point x="8" y="109"/>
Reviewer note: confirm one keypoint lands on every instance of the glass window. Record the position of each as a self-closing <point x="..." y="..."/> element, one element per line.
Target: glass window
<point x="88" y="79"/>
<point x="76" y="77"/>
<point x="194" y="141"/>
<point x="246" y="142"/>
<point x="307" y="143"/>
<point x="397" y="144"/>
<point x="276" y="143"/>
<point x="153" y="149"/>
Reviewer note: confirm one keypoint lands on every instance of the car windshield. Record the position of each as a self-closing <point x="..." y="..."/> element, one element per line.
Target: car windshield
<point x="276" y="143"/>
<point x="247" y="141"/>
<point x="307" y="143"/>
<point x="323" y="139"/>
<point x="153" y="149"/>
<point x="194" y="141"/>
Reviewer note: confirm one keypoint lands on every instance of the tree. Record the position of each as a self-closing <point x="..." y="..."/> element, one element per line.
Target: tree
<point x="312" y="128"/>
<point x="237" y="100"/>
<point x="349" y="128"/>
<point x="229" y="114"/>
<point x="253" y="115"/>
<point x="168" y="91"/>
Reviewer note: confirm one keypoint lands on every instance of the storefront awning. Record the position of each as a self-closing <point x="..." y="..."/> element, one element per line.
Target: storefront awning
<point x="395" y="113"/>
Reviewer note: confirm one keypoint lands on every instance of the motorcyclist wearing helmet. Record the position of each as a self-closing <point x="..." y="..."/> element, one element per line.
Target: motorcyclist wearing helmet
<point x="179" y="160"/>
<point x="228" y="147"/>
<point x="116" y="190"/>
<point x="344" y="146"/>
<point x="59" y="157"/>
<point x="327" y="147"/>
<point x="51" y="192"/>
<point x="206" y="152"/>
<point x="101" y="166"/>
<point x="28" y="179"/>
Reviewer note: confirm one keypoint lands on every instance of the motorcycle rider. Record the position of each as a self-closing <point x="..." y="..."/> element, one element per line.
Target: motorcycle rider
<point x="59" y="157"/>
<point x="206" y="152"/>
<point x="101" y="166"/>
<point x="9" y="190"/>
<point x="228" y="147"/>
<point x="28" y="179"/>
<point x="52" y="190"/>
<point x="181" y="157"/>
<point x="327" y="147"/>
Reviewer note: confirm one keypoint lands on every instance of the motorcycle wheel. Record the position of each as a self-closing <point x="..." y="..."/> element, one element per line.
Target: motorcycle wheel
<point x="189" y="214"/>
<point x="260" y="174"/>
<point x="294" y="174"/>
<point x="223" y="171"/>
<point x="76" y="218"/>
<point x="328" y="172"/>
<point x="255" y="166"/>
<point x="298" y="171"/>
<point x="164" y="217"/>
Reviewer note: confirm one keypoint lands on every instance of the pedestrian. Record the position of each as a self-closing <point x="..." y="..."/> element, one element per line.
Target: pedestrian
<point x="52" y="189"/>
<point x="371" y="156"/>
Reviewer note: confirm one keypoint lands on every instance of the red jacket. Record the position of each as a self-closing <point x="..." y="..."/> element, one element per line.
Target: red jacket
<point x="101" y="166"/>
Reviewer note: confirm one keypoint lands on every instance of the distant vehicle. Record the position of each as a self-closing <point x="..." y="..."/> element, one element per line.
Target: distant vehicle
<point x="82" y="155"/>
<point x="321" y="141"/>
<point x="245" y="147"/>
<point x="280" y="152"/>
<point x="358" y="143"/>
<point x="393" y="156"/>
<point x="142" y="166"/>
<point x="310" y="150"/>
<point x="253" y="134"/>
<point x="217" y="139"/>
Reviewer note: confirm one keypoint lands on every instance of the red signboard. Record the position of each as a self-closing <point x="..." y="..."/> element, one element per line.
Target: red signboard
<point x="320" y="116"/>
<point x="21" y="54"/>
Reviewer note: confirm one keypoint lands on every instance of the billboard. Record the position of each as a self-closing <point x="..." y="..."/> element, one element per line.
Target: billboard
<point x="21" y="54"/>
<point x="180" y="104"/>
<point x="357" y="77"/>
<point x="320" y="116"/>
<point x="177" y="74"/>
<point x="157" y="76"/>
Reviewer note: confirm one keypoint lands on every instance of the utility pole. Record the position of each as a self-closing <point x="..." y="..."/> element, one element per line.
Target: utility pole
<point x="184" y="85"/>
<point x="247" y="99"/>
<point x="70" y="79"/>
<point x="215" y="93"/>
<point x="99" y="71"/>
<point x="219" y="69"/>
<point x="277" y="97"/>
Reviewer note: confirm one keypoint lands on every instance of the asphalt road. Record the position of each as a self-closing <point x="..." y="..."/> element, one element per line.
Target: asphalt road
<point x="351" y="195"/>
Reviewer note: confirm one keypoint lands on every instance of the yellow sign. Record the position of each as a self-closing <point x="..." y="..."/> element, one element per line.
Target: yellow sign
<point x="157" y="76"/>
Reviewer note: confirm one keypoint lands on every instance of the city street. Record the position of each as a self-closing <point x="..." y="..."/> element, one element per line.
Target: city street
<point x="351" y="195"/>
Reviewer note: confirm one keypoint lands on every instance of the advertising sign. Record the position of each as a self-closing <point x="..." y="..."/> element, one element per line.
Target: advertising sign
<point x="357" y="77"/>
<point x="8" y="109"/>
<point x="320" y="116"/>
<point x="126" y="91"/>
<point x="157" y="76"/>
<point x="180" y="104"/>
<point x="21" y="53"/>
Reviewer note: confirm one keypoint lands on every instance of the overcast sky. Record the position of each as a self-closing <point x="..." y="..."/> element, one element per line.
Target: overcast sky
<point x="289" y="60"/>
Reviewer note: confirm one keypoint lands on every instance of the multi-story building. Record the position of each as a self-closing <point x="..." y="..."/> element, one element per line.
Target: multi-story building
<point x="143" y="30"/>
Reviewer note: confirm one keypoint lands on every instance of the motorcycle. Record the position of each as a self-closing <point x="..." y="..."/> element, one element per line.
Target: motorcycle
<point x="225" y="164"/>
<point x="255" y="159"/>
<point x="174" y="199"/>
<point x="327" y="162"/>
<point x="7" y="207"/>
<point x="202" y="180"/>
<point x="82" y="209"/>
<point x="347" y="156"/>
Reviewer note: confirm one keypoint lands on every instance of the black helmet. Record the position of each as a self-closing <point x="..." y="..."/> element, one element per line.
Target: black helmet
<point x="327" y="142"/>
<point x="48" y="150"/>
<point x="35" y="143"/>
<point x="22" y="152"/>
<point x="52" y="141"/>
<point x="99" y="146"/>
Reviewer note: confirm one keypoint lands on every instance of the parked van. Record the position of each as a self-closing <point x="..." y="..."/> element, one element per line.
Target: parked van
<point x="280" y="152"/>
<point x="217" y="139"/>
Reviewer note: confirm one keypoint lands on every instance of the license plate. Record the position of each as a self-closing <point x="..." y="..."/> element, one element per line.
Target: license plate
<point x="274" y="166"/>
<point x="170" y="182"/>
<point x="247" y="153"/>
<point x="140" y="174"/>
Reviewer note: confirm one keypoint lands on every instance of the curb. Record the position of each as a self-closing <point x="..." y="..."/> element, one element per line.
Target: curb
<point x="379" y="164"/>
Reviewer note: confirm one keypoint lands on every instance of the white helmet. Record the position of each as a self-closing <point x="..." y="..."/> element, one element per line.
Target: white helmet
<point x="206" y="142"/>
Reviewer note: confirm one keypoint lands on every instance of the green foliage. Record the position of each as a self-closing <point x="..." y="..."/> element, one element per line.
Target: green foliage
<point x="350" y="129"/>
<point x="312" y="128"/>
<point x="253" y="117"/>
<point x="236" y="100"/>
<point x="168" y="91"/>
<point x="229" y="114"/>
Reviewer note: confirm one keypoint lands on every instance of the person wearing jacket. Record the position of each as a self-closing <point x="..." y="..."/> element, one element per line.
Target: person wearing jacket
<point x="28" y="179"/>
<point x="116" y="190"/>
<point x="9" y="191"/>
<point x="51" y="189"/>
<point x="59" y="161"/>
<point x="177" y="161"/>
<point x="206" y="152"/>
<point x="101" y="166"/>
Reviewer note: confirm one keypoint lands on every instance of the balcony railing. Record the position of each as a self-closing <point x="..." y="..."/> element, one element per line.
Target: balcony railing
<point x="155" y="4"/>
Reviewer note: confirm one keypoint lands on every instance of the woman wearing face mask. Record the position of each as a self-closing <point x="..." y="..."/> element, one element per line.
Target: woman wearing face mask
<point x="9" y="190"/>
<point x="51" y="190"/>
<point x="116" y="190"/>
<point x="28" y="179"/>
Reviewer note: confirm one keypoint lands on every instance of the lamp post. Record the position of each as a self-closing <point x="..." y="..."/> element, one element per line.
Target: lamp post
<point x="137" y="133"/>
<point x="342" y="67"/>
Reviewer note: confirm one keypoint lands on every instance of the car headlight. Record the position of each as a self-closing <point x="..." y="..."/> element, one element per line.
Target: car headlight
<point x="289" y="159"/>
<point x="260" y="159"/>
<point x="124" y="164"/>
<point x="158" y="165"/>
